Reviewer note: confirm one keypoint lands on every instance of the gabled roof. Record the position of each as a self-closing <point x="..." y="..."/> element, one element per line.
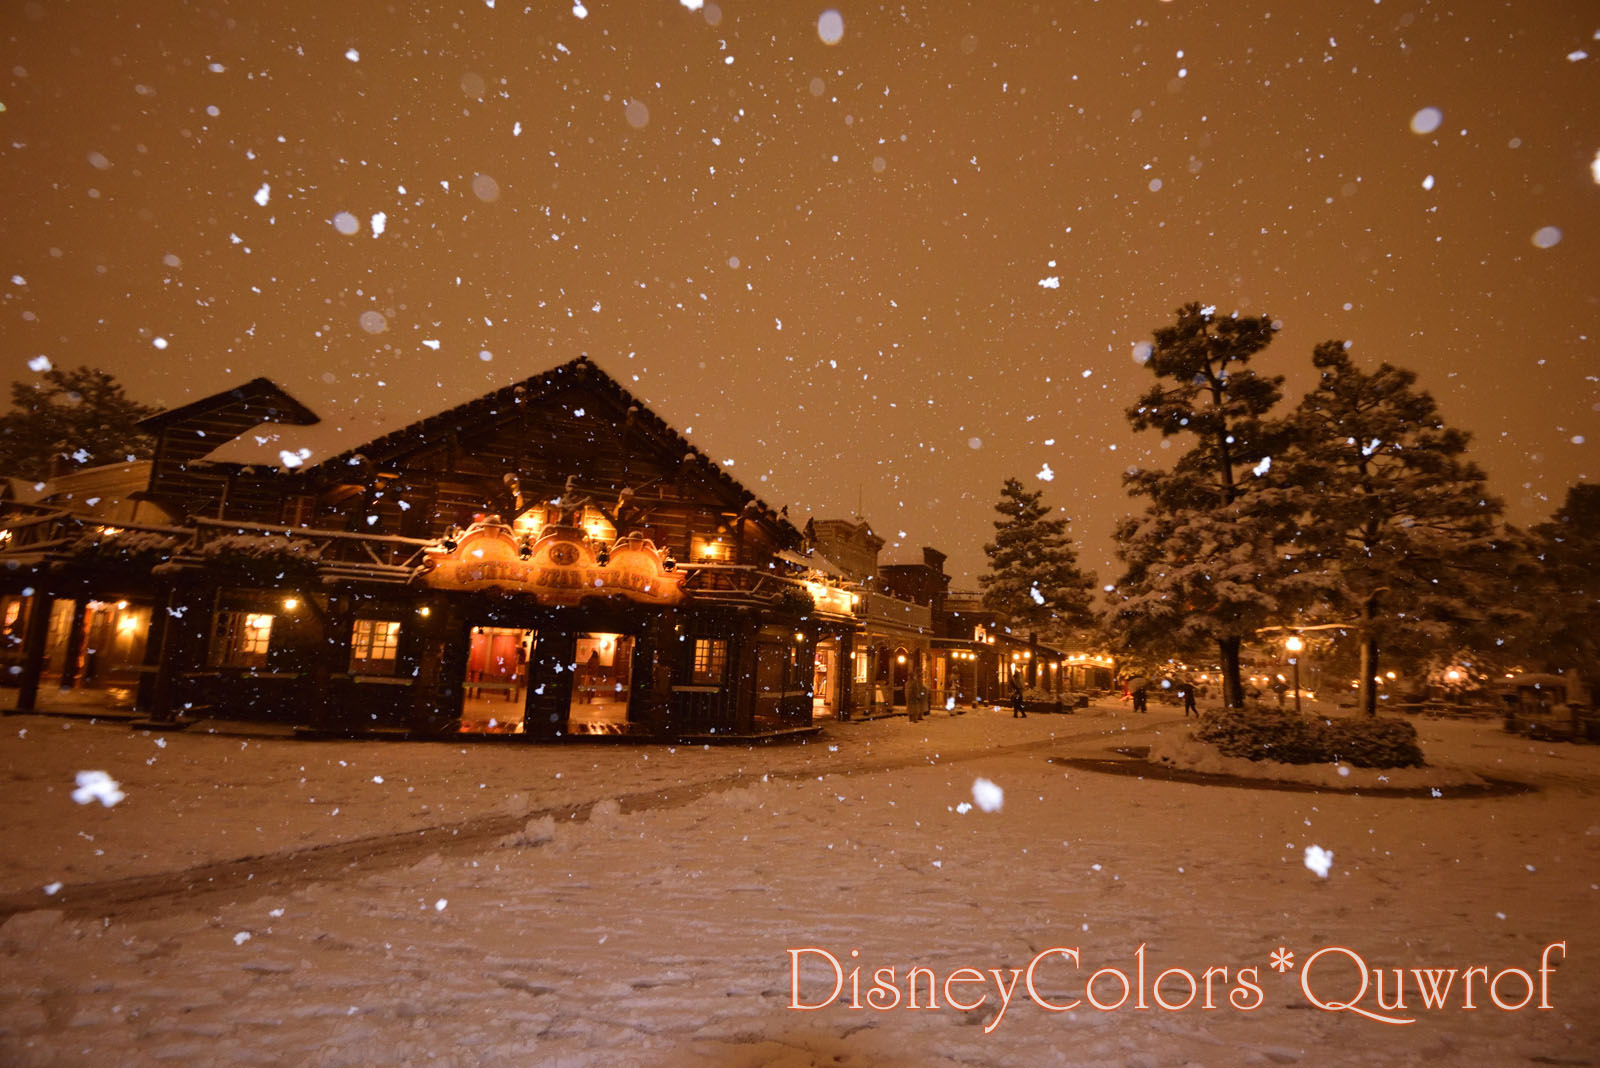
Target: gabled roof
<point x="260" y="397"/>
<point x="423" y="433"/>
<point x="577" y="371"/>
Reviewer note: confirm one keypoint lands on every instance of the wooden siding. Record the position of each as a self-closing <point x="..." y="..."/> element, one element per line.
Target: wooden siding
<point x="524" y="446"/>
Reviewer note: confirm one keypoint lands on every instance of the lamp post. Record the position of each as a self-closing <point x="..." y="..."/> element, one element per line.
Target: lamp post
<point x="1294" y="645"/>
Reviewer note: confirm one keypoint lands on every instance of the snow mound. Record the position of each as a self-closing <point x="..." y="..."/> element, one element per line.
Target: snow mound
<point x="536" y="832"/>
<point x="606" y="812"/>
<point x="516" y="804"/>
<point x="1184" y="752"/>
<point x="27" y="930"/>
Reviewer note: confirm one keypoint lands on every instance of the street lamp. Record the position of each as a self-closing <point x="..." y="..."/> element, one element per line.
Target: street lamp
<point x="1294" y="645"/>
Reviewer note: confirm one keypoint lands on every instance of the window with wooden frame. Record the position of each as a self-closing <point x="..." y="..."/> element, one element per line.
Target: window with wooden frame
<point x="710" y="660"/>
<point x="241" y="639"/>
<point x="374" y="646"/>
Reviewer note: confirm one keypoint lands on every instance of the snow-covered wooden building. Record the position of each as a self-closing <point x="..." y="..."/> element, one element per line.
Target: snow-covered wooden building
<point x="546" y="560"/>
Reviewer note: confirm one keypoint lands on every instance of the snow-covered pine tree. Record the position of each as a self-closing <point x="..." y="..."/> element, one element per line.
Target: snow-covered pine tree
<point x="1562" y="629"/>
<point x="1034" y="579"/>
<point x="1201" y="560"/>
<point x="1399" y="529"/>
<point x="67" y="420"/>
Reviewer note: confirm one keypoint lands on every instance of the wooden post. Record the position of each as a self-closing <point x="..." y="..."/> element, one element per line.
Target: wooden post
<point x="742" y="667"/>
<point x="69" y="661"/>
<point x="328" y="704"/>
<point x="34" y="640"/>
<point x="155" y="638"/>
<point x="550" y="683"/>
<point x="650" y="693"/>
<point x="845" y="687"/>
<point x="182" y="646"/>
<point x="441" y="669"/>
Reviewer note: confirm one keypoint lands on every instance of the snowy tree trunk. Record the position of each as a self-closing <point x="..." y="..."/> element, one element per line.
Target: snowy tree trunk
<point x="1369" y="657"/>
<point x="1369" y="676"/>
<point x="1232" y="684"/>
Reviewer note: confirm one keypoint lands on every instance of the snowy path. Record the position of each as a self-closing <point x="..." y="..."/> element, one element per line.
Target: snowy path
<point x="210" y="803"/>
<point x="661" y="936"/>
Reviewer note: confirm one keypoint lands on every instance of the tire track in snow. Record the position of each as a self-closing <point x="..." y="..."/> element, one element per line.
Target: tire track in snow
<point x="140" y="897"/>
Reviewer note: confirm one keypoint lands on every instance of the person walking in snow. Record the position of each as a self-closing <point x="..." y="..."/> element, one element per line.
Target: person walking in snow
<point x="1139" y="687"/>
<point x="1016" y="696"/>
<point x="1187" y="690"/>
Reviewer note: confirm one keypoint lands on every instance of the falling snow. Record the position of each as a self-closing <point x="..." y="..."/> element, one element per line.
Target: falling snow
<point x="1319" y="860"/>
<point x="97" y="786"/>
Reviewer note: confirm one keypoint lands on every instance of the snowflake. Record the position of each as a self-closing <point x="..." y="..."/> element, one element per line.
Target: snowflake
<point x="97" y="786"/>
<point x="1319" y="860"/>
<point x="988" y="796"/>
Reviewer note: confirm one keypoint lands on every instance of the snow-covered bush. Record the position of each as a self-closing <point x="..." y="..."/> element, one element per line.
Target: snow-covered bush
<point x="1368" y="742"/>
<point x="143" y="548"/>
<point x="1283" y="736"/>
<point x="265" y="555"/>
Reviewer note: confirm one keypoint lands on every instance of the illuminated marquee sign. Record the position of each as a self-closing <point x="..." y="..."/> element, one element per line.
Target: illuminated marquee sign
<point x="560" y="568"/>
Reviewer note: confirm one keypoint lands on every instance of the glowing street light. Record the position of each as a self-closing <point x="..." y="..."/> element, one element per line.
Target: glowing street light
<point x="1294" y="645"/>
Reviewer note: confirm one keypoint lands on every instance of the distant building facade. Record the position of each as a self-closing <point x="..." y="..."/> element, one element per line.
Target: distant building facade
<point x="550" y="559"/>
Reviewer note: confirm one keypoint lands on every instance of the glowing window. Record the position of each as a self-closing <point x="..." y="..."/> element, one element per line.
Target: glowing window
<point x="374" y="644"/>
<point x="710" y="660"/>
<point x="241" y="639"/>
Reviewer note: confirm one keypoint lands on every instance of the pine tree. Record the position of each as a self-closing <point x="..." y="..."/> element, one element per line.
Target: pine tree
<point x="1399" y="530"/>
<point x="1562" y="629"/>
<point x="1201" y="559"/>
<point x="72" y="419"/>
<point x="1034" y="577"/>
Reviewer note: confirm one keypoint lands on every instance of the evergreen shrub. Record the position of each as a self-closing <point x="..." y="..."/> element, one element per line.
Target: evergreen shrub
<point x="1278" y="734"/>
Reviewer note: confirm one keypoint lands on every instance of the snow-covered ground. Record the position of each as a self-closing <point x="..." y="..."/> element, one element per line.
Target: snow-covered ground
<point x="620" y="905"/>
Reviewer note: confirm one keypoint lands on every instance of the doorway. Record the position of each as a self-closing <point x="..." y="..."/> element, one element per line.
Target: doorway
<point x="825" y="680"/>
<point x="602" y="677"/>
<point x="497" y="673"/>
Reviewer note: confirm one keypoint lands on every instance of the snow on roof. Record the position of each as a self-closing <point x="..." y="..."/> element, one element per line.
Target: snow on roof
<point x="270" y="444"/>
